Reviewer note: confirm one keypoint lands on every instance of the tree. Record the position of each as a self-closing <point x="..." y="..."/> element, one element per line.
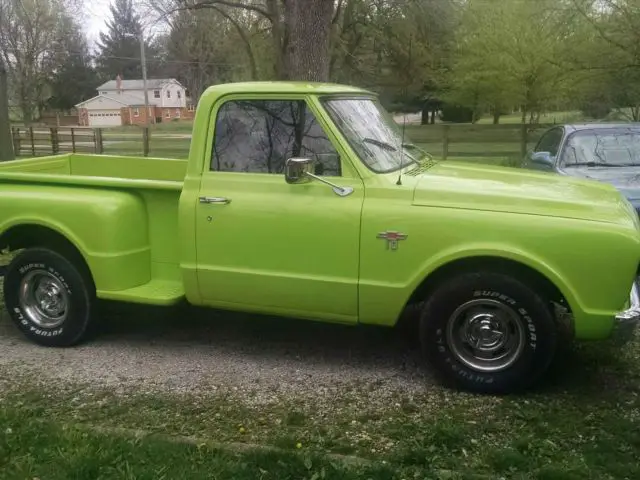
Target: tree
<point x="119" y="46"/>
<point x="512" y="53"/>
<point x="30" y="34"/>
<point x="6" y="144"/>
<point x="198" y="58"/>
<point x="75" y="79"/>
<point x="610" y="58"/>
<point x="299" y="31"/>
<point x="399" y="48"/>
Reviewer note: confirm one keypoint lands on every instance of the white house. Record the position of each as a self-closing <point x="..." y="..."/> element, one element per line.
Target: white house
<point x="121" y="102"/>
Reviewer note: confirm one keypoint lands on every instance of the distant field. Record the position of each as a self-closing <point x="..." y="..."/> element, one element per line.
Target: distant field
<point x="478" y="142"/>
<point x="494" y="144"/>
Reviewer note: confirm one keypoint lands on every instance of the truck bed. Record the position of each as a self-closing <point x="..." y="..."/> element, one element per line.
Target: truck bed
<point x="104" y="167"/>
<point x="120" y="212"/>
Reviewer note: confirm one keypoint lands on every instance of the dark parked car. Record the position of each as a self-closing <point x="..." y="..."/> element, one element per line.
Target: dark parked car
<point x="599" y="151"/>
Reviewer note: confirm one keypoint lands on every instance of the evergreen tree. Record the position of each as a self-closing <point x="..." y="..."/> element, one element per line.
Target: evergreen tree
<point x="75" y="80"/>
<point x="119" y="47"/>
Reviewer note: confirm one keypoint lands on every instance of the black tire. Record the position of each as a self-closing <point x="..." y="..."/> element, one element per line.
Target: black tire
<point x="66" y="326"/>
<point x="530" y="325"/>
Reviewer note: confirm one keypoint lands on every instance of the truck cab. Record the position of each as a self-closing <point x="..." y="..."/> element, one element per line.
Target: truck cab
<point x="307" y="200"/>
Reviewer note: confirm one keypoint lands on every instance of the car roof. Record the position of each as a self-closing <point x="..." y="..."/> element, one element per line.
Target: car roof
<point x="574" y="127"/>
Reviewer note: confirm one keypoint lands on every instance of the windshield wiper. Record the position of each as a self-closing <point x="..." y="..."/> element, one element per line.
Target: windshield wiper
<point x="380" y="143"/>
<point x="598" y="164"/>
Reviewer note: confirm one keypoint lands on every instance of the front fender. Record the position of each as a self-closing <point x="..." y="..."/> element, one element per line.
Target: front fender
<point x="593" y="264"/>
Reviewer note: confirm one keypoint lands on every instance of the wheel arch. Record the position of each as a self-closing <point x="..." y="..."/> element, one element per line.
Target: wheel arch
<point x="522" y="271"/>
<point x="30" y="235"/>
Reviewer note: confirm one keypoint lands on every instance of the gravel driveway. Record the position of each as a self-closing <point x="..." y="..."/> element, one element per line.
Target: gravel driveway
<point x="188" y="349"/>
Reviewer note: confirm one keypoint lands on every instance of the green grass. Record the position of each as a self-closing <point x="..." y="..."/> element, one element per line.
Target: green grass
<point x="45" y="449"/>
<point x="582" y="423"/>
<point x="549" y="117"/>
<point x="183" y="126"/>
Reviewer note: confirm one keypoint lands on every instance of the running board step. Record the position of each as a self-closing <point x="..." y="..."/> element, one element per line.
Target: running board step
<point x="156" y="292"/>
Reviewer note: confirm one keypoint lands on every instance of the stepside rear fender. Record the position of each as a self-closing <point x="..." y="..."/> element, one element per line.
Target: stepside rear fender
<point x="108" y="227"/>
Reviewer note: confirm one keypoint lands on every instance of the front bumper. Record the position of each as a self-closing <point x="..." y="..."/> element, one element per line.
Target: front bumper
<point x="627" y="320"/>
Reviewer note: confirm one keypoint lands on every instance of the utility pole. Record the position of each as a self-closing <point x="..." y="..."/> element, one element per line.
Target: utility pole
<point x="6" y="142"/>
<point x="143" y="60"/>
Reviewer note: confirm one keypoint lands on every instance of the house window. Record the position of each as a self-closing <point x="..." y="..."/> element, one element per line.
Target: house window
<point x="136" y="112"/>
<point x="156" y="94"/>
<point x="190" y="107"/>
<point x="179" y="93"/>
<point x="167" y="113"/>
<point x="177" y="113"/>
<point x="103" y="93"/>
<point x="168" y="93"/>
<point x="258" y="136"/>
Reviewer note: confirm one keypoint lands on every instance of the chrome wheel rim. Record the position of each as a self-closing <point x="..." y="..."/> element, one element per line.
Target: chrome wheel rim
<point x="486" y="335"/>
<point x="44" y="299"/>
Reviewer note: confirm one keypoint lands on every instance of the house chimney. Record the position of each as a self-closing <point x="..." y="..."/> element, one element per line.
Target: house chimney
<point x="118" y="82"/>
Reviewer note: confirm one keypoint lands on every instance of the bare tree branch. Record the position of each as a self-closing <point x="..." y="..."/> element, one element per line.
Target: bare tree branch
<point x="243" y="35"/>
<point x="226" y="3"/>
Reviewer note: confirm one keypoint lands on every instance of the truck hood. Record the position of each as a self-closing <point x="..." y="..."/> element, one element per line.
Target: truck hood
<point x="512" y="190"/>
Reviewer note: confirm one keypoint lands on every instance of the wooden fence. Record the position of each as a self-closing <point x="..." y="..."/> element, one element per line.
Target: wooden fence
<point x="509" y="141"/>
<point x="479" y="140"/>
<point x="39" y="141"/>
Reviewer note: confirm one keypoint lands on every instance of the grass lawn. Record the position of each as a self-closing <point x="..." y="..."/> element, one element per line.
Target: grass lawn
<point x="583" y="424"/>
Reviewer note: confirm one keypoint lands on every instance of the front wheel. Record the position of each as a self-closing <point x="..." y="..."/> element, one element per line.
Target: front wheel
<point x="48" y="297"/>
<point x="488" y="333"/>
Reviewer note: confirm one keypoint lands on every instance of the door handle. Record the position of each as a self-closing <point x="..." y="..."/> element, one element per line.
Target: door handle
<point x="222" y="200"/>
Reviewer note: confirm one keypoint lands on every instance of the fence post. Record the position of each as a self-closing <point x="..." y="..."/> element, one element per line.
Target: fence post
<point x="145" y="141"/>
<point x="33" y="145"/>
<point x="523" y="141"/>
<point x="97" y="132"/>
<point x="55" y="141"/>
<point x="16" y="141"/>
<point x="73" y="140"/>
<point x="445" y="141"/>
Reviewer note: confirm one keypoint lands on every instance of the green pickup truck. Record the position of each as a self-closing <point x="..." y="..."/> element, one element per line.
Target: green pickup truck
<point x="305" y="200"/>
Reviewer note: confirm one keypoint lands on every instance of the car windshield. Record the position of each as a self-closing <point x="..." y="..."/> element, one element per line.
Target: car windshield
<point x="610" y="147"/>
<point x="372" y="133"/>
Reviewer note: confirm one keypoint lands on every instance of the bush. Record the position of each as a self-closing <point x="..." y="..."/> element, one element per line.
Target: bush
<point x="456" y="114"/>
<point x="595" y="109"/>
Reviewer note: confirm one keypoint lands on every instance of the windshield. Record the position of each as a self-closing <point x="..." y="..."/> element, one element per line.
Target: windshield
<point x="372" y="133"/>
<point x="611" y="147"/>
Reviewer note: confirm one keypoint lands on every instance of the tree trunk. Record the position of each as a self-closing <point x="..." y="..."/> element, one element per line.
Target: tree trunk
<point x="424" y="117"/>
<point x="308" y="34"/>
<point x="6" y="142"/>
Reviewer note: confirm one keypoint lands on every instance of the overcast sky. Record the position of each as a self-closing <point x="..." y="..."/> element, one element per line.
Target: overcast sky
<point x="95" y="14"/>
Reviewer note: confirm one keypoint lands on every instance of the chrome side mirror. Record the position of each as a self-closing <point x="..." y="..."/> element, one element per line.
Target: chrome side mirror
<point x="298" y="170"/>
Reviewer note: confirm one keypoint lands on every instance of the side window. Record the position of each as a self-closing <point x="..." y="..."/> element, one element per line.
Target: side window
<point x="258" y="136"/>
<point x="550" y="141"/>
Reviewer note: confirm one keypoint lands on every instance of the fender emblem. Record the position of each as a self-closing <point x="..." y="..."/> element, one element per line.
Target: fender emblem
<point x="392" y="239"/>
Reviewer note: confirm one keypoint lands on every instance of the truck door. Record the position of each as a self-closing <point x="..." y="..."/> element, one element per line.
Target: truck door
<point x="266" y="245"/>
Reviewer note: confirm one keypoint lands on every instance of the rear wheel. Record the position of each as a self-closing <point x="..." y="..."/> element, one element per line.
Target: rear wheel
<point x="488" y="332"/>
<point x="48" y="297"/>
